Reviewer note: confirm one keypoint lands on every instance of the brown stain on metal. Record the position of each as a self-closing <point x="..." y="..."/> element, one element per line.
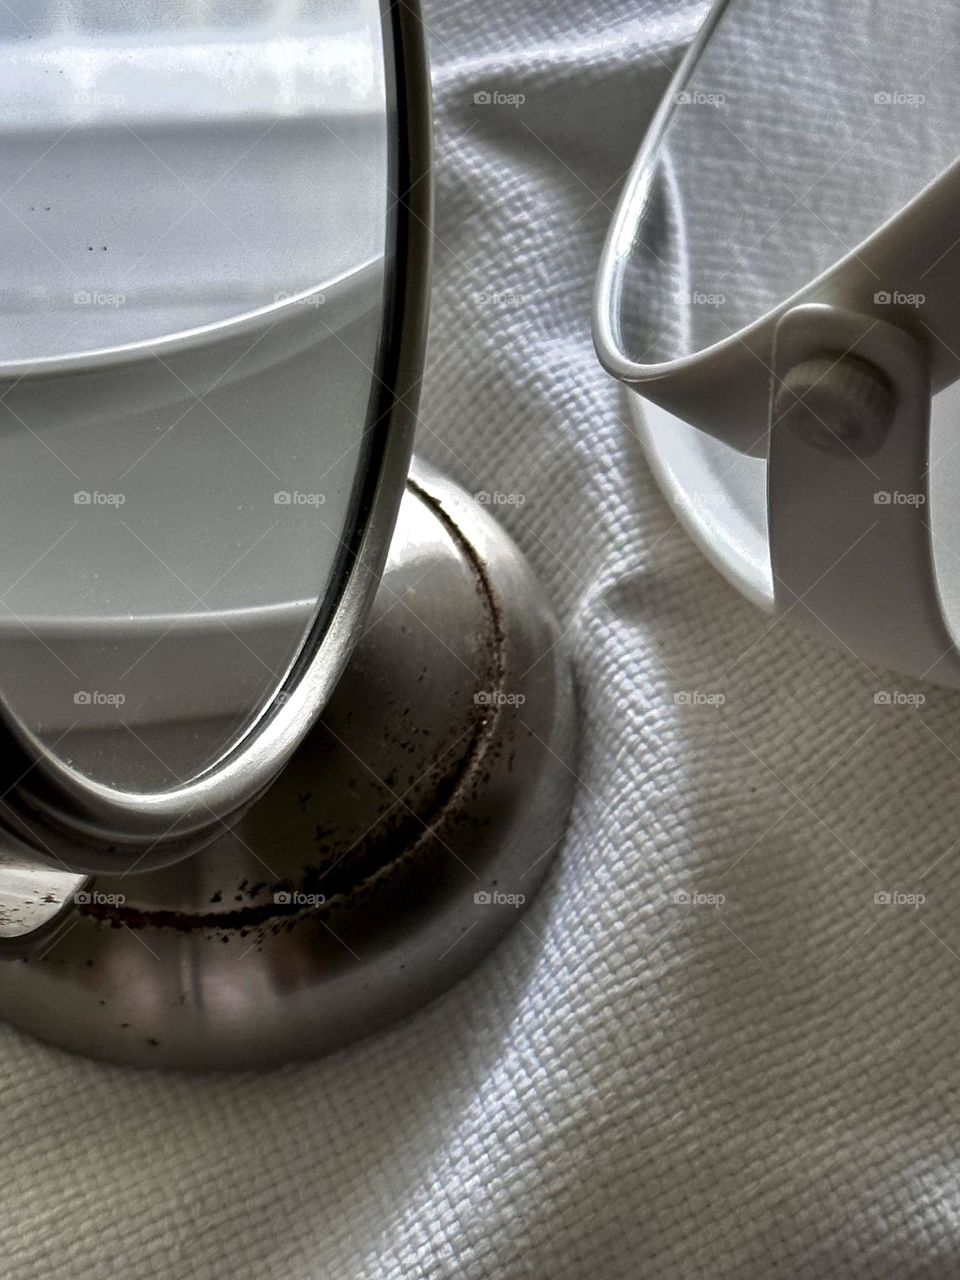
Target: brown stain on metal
<point x="369" y="872"/>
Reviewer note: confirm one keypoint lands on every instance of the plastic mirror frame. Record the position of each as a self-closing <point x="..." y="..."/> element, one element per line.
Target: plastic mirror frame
<point x="724" y="389"/>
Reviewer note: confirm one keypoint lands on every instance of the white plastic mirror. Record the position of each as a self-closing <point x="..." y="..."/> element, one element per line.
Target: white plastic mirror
<point x="779" y="283"/>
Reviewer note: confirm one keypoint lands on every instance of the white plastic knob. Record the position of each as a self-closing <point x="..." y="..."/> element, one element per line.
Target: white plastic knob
<point x="837" y="403"/>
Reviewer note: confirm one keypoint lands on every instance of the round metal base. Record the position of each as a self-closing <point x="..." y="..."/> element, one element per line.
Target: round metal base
<point x="400" y="844"/>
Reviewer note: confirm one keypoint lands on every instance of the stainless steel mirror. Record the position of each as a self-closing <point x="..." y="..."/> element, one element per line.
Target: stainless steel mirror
<point x="205" y="315"/>
<point x="218" y="219"/>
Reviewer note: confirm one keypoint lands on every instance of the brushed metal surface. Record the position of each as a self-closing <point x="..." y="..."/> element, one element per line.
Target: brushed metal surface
<point x="400" y="843"/>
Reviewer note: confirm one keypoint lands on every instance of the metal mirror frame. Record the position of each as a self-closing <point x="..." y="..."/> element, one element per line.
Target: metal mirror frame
<point x="53" y="814"/>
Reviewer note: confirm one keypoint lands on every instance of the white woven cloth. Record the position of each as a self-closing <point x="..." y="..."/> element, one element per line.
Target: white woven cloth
<point x="636" y="1088"/>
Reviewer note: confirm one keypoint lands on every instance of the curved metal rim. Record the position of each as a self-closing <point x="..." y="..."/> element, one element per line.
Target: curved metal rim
<point x="608" y="288"/>
<point x="59" y="813"/>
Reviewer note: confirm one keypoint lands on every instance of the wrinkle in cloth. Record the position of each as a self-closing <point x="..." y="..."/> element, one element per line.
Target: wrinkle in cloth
<point x="630" y="1088"/>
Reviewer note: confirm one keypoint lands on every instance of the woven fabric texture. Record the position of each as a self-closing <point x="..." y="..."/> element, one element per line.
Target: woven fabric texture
<point x="636" y="1086"/>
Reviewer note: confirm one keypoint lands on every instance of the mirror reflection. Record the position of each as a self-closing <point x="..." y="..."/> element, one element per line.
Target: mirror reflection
<point x="173" y="518"/>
